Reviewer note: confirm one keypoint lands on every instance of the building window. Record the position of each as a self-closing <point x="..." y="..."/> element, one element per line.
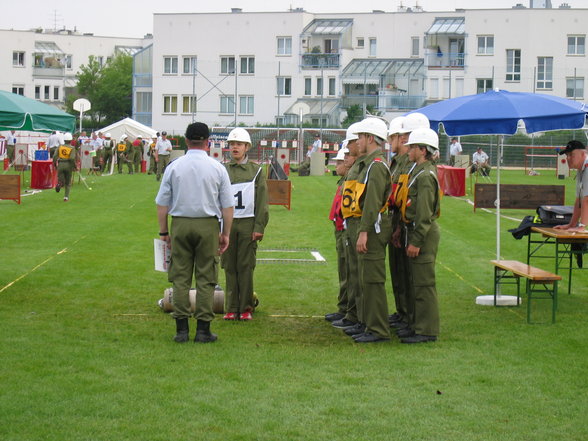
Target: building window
<point x="483" y="85"/>
<point x="170" y="104"/>
<point x="189" y="65"/>
<point x="227" y="65"/>
<point x="575" y="88"/>
<point x="284" y="86"/>
<point x="100" y="60"/>
<point x="513" y="65"/>
<point x="37" y="92"/>
<point x="319" y="86"/>
<point x="545" y="73"/>
<point x="170" y="65"/>
<point x="247" y="65"/>
<point x="246" y="105"/>
<point x="56" y="93"/>
<point x="47" y="94"/>
<point x="332" y="84"/>
<point x="372" y="47"/>
<point x="284" y="45"/>
<point x="143" y="102"/>
<point x="189" y="104"/>
<point x="308" y="86"/>
<point x="576" y="44"/>
<point x="227" y="104"/>
<point x="67" y="61"/>
<point x="415" y="47"/>
<point x="19" y="90"/>
<point x="360" y="42"/>
<point x="485" y="44"/>
<point x="18" y="59"/>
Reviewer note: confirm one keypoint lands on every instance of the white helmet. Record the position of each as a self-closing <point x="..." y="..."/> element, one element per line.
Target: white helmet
<point x="415" y="121"/>
<point x="341" y="153"/>
<point x="108" y="135"/>
<point x="424" y="136"/>
<point x="350" y="135"/>
<point x="67" y="137"/>
<point x="125" y="136"/>
<point x="396" y="125"/>
<point x="373" y="126"/>
<point x="240" y="135"/>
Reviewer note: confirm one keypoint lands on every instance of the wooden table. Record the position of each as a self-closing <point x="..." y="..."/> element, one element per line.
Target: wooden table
<point x="561" y="241"/>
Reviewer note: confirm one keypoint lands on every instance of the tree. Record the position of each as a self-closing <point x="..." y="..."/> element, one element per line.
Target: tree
<point x="108" y="88"/>
<point x="355" y="114"/>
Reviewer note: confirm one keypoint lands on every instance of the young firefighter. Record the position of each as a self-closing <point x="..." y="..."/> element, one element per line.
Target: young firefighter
<point x="65" y="159"/>
<point x="124" y="150"/>
<point x="250" y="218"/>
<point x="108" y="147"/>
<point x="400" y="129"/>
<point x="420" y="209"/>
<point x="343" y="164"/>
<point x="368" y="200"/>
<point x="352" y="323"/>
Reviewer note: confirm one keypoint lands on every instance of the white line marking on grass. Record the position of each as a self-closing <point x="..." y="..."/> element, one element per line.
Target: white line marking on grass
<point x="318" y="256"/>
<point x="469" y="201"/>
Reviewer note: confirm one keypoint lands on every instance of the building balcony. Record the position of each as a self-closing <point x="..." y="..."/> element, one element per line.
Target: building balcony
<point x="48" y="72"/>
<point x="436" y="59"/>
<point x="319" y="61"/>
<point x="352" y="100"/>
<point x="391" y="102"/>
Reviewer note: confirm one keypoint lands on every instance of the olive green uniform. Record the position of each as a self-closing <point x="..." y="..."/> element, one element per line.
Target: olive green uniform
<point x="152" y="164"/>
<point x="125" y="157"/>
<point x="423" y="232"/>
<point x="137" y="155"/>
<point x="239" y="259"/>
<point x="341" y="243"/>
<point x="354" y="311"/>
<point x="398" y="260"/>
<point x="372" y="265"/>
<point x="107" y="149"/>
<point x="65" y="158"/>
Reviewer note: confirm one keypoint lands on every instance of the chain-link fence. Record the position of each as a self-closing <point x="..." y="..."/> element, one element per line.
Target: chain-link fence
<point x="537" y="151"/>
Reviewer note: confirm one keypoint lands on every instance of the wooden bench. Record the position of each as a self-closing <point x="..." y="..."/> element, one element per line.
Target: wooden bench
<point x="519" y="196"/>
<point x="540" y="284"/>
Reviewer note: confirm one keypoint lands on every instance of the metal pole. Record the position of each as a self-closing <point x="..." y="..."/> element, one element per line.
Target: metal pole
<point x="322" y="94"/>
<point x="364" y="91"/>
<point x="193" y="100"/>
<point x="279" y="94"/>
<point x="574" y="84"/>
<point x="235" y="122"/>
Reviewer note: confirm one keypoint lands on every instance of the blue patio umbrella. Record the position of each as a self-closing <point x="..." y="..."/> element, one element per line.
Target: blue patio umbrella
<point x="498" y="112"/>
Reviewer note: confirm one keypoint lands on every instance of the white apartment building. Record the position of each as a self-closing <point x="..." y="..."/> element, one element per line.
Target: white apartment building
<point x="43" y="64"/>
<point x="277" y="67"/>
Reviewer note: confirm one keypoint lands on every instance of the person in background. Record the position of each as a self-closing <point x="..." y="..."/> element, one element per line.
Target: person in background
<point x="65" y="159"/>
<point x="137" y="154"/>
<point x="163" y="150"/>
<point x="454" y="150"/>
<point x="53" y="143"/>
<point x="251" y="215"/>
<point x="480" y="162"/>
<point x="124" y="150"/>
<point x="108" y="148"/>
<point x="96" y="144"/>
<point x="196" y="192"/>
<point x="11" y="145"/>
<point x="151" y="153"/>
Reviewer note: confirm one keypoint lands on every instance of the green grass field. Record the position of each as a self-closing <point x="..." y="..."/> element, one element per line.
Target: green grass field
<point x="86" y="353"/>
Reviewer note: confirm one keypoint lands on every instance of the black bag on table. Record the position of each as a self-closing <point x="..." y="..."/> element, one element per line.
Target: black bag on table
<point x="555" y="214"/>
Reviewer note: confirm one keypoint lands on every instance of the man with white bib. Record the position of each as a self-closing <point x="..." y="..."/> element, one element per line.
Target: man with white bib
<point x="251" y="215"/>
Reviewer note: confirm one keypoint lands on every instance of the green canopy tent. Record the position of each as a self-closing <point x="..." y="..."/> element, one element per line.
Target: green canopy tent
<point x="20" y="113"/>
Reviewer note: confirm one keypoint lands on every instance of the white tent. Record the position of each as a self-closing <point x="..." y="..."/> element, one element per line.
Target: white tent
<point x="130" y="127"/>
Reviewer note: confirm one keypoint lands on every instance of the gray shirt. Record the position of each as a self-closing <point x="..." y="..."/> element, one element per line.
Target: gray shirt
<point x="195" y="185"/>
<point x="582" y="181"/>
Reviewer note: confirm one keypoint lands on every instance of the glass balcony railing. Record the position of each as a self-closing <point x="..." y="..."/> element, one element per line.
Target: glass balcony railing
<point x="48" y="72"/>
<point x="435" y="59"/>
<point x="319" y="61"/>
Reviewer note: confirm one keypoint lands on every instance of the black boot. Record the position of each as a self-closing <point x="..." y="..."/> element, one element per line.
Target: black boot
<point x="182" y="331"/>
<point x="203" y="334"/>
